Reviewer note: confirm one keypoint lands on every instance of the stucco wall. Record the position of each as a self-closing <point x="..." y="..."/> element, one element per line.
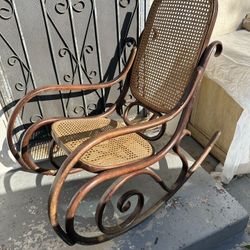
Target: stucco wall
<point x="230" y="15"/>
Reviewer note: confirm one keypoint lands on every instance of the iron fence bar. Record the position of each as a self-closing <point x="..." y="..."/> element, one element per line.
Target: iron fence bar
<point x="138" y="30"/>
<point x="74" y="69"/>
<point x="51" y="48"/>
<point x="118" y="33"/>
<point x="118" y="42"/>
<point x="99" y="55"/>
<point x="73" y="48"/>
<point x="82" y="56"/>
<point x="25" y="52"/>
<point x="75" y="44"/>
<point x="22" y="66"/>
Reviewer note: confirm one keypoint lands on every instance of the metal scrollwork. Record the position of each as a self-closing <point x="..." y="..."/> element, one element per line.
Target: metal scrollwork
<point x="80" y="110"/>
<point x="34" y="118"/>
<point x="78" y="6"/>
<point x="13" y="59"/>
<point x="124" y="3"/>
<point x="92" y="74"/>
<point x="6" y="12"/>
<point x="64" y="51"/>
<point x="62" y="7"/>
<point x="68" y="78"/>
<point x="92" y="107"/>
<point x="130" y="41"/>
<point x="89" y="49"/>
<point x="19" y="86"/>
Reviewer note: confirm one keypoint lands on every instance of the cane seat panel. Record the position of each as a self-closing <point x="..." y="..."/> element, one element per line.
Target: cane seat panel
<point x="169" y="51"/>
<point x="71" y="133"/>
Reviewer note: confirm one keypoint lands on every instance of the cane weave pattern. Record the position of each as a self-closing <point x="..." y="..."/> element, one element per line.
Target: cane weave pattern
<point x="169" y="51"/>
<point x="114" y="152"/>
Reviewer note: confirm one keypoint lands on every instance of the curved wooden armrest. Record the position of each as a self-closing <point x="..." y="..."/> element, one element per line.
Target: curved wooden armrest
<point x="22" y="102"/>
<point x="75" y="156"/>
<point x="185" y="106"/>
<point x="213" y="48"/>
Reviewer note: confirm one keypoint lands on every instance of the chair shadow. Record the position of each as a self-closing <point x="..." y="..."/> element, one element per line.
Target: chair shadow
<point x="5" y="158"/>
<point x="24" y="199"/>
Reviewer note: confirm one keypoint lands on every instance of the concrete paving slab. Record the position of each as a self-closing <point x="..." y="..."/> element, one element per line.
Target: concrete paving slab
<point x="239" y="188"/>
<point x="200" y="216"/>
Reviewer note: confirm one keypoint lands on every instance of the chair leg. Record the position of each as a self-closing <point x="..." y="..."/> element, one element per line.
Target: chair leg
<point x="122" y="176"/>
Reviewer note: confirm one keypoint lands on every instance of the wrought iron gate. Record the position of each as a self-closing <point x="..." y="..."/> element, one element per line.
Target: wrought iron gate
<point x="65" y="42"/>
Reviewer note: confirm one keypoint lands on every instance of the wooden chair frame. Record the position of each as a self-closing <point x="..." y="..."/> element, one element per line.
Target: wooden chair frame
<point x="123" y="173"/>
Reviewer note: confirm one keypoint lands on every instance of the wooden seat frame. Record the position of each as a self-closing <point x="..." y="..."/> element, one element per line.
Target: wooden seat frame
<point x="124" y="173"/>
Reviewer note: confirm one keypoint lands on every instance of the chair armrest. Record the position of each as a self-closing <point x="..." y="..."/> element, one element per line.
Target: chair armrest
<point x="185" y="107"/>
<point x="85" y="87"/>
<point x="213" y="48"/>
<point x="30" y="95"/>
<point x="75" y="156"/>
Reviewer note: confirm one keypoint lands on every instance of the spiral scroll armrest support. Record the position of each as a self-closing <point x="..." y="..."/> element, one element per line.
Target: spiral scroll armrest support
<point x="84" y="87"/>
<point x="154" y="116"/>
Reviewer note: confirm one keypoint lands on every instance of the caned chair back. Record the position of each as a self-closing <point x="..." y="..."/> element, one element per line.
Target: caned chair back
<point x="174" y="37"/>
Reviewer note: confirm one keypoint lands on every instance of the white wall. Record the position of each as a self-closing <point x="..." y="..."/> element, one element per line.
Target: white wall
<point x="230" y="15"/>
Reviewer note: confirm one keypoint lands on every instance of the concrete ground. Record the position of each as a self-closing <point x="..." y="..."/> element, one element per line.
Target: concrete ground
<point x="200" y="210"/>
<point x="202" y="215"/>
<point x="239" y="187"/>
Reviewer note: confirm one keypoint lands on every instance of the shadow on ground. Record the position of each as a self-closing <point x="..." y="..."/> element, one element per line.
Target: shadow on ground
<point x="23" y="202"/>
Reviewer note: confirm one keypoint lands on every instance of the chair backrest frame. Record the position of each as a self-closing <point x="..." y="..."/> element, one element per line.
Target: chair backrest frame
<point x="162" y="74"/>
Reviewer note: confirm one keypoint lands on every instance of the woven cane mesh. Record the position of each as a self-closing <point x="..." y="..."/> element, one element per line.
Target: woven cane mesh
<point x="169" y="51"/>
<point x="117" y="151"/>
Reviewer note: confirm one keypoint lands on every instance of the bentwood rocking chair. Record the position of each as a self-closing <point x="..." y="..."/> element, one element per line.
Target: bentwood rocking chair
<point x="163" y="75"/>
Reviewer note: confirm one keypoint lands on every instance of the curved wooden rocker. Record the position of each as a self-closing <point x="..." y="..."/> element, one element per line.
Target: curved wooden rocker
<point x="164" y="75"/>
